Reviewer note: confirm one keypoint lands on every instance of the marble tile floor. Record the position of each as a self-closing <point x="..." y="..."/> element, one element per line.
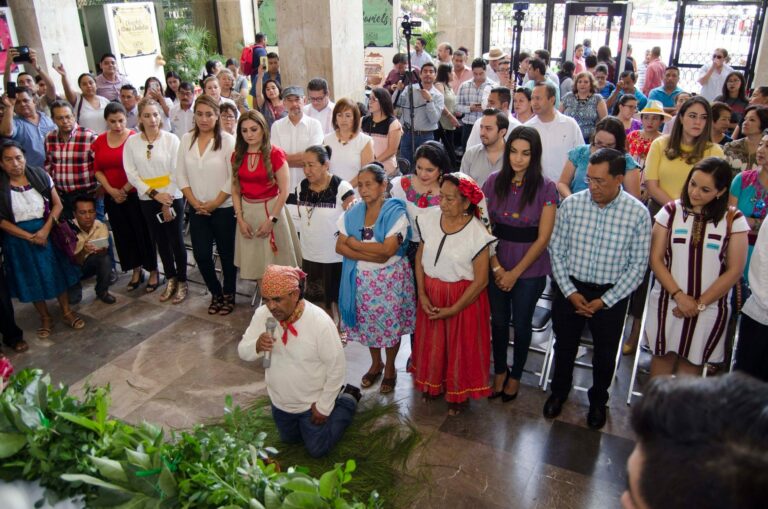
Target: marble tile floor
<point x="173" y="365"/>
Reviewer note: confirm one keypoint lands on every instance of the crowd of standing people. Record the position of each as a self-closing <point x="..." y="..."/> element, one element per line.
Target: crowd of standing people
<point x="439" y="210"/>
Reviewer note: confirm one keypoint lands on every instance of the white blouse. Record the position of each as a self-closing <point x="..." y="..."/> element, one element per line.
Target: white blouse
<point x="318" y="216"/>
<point x="399" y="228"/>
<point x="89" y="117"/>
<point x="449" y="257"/>
<point x="161" y="165"/>
<point x="28" y="204"/>
<point x="209" y="173"/>
<point x="345" y="159"/>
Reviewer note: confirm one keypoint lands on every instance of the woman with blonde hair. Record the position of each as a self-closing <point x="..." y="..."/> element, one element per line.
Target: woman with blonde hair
<point x="149" y="160"/>
<point x="227" y="82"/>
<point x="204" y="174"/>
<point x="260" y="185"/>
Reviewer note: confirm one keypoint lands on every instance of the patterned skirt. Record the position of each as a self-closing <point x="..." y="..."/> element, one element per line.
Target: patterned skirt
<point x="36" y="273"/>
<point x="452" y="356"/>
<point x="385" y="305"/>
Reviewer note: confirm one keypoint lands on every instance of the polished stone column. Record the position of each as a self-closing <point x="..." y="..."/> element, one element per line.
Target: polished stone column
<point x="51" y="26"/>
<point x="460" y="23"/>
<point x="322" y="38"/>
<point x="236" y="25"/>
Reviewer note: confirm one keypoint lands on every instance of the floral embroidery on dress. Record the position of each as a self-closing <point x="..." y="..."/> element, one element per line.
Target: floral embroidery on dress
<point x="422" y="201"/>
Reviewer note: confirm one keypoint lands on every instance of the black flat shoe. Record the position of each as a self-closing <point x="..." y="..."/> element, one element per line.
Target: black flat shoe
<point x="132" y="285"/>
<point x="553" y="406"/>
<point x="506" y="398"/>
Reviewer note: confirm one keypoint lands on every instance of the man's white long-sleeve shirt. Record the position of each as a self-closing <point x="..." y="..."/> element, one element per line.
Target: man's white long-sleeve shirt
<point x="309" y="368"/>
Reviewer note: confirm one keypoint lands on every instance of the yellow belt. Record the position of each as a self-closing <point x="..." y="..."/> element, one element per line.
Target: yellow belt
<point x="158" y="182"/>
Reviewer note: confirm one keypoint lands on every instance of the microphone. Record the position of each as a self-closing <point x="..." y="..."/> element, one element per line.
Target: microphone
<point x="271" y="326"/>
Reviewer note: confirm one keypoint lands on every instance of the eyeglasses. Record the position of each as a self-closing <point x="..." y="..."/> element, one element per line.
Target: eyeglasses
<point x="317" y="99"/>
<point x="718" y="57"/>
<point x="595" y="182"/>
<point x="228" y="117"/>
<point x="600" y="144"/>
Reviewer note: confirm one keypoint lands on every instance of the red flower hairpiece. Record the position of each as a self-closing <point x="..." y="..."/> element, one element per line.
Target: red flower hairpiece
<point x="470" y="190"/>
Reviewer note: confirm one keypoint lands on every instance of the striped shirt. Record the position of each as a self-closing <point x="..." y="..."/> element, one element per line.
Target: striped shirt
<point x="70" y="162"/>
<point x="608" y="245"/>
<point x="468" y="95"/>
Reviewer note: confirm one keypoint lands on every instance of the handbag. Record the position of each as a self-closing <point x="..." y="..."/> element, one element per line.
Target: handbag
<point x="62" y="235"/>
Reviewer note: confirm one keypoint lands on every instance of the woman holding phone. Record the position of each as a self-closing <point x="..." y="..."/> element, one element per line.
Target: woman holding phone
<point x="150" y="164"/>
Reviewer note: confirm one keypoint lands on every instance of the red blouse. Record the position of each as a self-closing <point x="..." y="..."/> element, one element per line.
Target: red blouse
<point x="638" y="147"/>
<point x="254" y="184"/>
<point x="109" y="161"/>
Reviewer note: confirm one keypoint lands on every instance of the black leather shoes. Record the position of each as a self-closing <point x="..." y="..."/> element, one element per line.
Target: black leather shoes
<point x="354" y="391"/>
<point x="107" y="298"/>
<point x="596" y="416"/>
<point x="553" y="406"/>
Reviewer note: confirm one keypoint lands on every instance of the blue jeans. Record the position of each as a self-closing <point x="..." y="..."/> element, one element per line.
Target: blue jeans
<point x="405" y="146"/>
<point x="318" y="440"/>
<point x="520" y="303"/>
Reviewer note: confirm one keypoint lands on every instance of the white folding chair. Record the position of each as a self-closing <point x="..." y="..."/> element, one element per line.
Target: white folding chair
<point x="641" y="339"/>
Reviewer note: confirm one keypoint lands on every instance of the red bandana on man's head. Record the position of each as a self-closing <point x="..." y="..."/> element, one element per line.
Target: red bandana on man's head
<point x="280" y="280"/>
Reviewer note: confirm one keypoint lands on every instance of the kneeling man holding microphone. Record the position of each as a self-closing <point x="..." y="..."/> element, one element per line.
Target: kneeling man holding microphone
<point x="304" y="363"/>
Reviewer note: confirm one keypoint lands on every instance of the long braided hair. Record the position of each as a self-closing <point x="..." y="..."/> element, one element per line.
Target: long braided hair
<point x="241" y="146"/>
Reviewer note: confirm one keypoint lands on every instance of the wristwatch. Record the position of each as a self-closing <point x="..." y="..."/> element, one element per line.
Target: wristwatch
<point x="273" y="219"/>
<point x="701" y="307"/>
<point x="152" y="193"/>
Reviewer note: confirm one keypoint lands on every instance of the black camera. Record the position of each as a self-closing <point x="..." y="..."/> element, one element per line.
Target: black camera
<point x="23" y="55"/>
<point x="521" y="6"/>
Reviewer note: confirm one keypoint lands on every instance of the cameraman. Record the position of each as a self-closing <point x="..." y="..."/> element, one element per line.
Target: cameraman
<point x="427" y="105"/>
<point x="399" y="74"/>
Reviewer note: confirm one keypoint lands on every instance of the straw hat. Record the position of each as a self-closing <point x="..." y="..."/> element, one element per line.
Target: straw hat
<point x="655" y="108"/>
<point x="495" y="54"/>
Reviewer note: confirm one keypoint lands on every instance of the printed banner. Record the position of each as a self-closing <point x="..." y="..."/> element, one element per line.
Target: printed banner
<point x="268" y="21"/>
<point x="377" y="23"/>
<point x="134" y="30"/>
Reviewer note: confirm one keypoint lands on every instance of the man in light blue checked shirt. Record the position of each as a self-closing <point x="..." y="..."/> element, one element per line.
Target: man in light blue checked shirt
<point x="428" y="105"/>
<point x="599" y="249"/>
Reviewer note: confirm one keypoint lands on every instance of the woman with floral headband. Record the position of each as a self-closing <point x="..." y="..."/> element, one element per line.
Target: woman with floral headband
<point x="452" y="341"/>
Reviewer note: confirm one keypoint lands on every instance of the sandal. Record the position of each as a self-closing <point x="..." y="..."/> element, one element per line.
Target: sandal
<point x="73" y="321"/>
<point x="227" y="304"/>
<point x="215" y="307"/>
<point x="182" y="289"/>
<point x="388" y="385"/>
<point x="44" y="331"/>
<point x="151" y="287"/>
<point x="455" y="409"/>
<point x="371" y="378"/>
<point x="21" y="346"/>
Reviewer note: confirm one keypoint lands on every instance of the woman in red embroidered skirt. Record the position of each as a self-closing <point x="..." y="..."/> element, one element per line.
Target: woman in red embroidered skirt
<point x="452" y="346"/>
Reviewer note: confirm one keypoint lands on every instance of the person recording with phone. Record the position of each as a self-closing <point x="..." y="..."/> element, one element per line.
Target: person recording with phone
<point x="40" y="84"/>
<point x="92" y="251"/>
<point x="306" y="368"/>
<point x="150" y="165"/>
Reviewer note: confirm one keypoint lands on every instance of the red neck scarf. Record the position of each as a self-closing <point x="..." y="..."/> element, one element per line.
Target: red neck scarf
<point x="287" y="325"/>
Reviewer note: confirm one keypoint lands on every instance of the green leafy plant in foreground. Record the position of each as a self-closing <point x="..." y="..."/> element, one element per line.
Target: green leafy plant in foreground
<point x="74" y="449"/>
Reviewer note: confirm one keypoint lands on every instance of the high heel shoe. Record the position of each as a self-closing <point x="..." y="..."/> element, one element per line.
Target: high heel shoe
<point x="170" y="290"/>
<point x="506" y="398"/>
<point x="499" y="394"/>
<point x="150" y="288"/>
<point x="181" y="292"/>
<point x="132" y="285"/>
